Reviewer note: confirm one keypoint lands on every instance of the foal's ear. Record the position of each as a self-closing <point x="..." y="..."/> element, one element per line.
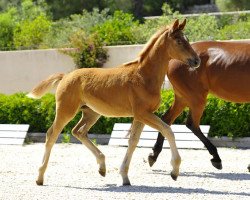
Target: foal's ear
<point x="174" y="27"/>
<point x="182" y="25"/>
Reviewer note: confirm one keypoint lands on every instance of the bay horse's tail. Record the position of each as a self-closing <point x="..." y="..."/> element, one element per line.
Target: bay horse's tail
<point x="45" y="86"/>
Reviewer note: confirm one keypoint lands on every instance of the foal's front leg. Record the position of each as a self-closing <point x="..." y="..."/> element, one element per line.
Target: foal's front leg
<point x="156" y="123"/>
<point x="135" y="133"/>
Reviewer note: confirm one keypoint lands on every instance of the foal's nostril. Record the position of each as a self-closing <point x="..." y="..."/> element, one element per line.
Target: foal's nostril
<point x="195" y="62"/>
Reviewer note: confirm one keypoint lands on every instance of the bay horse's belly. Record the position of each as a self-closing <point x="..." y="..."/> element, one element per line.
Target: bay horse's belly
<point x="235" y="88"/>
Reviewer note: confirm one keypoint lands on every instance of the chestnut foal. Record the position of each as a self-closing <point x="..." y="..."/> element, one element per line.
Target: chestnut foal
<point x="130" y="90"/>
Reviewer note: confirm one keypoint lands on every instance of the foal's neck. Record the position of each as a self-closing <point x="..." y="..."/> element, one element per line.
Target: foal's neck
<point x="153" y="67"/>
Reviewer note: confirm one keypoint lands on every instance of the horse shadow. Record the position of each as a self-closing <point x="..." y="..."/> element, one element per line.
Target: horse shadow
<point x="157" y="190"/>
<point x="219" y="175"/>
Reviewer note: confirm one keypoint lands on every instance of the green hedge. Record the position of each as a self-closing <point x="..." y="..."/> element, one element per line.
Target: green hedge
<point x="225" y="119"/>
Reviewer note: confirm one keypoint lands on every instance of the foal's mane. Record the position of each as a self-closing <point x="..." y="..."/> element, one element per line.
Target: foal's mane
<point x="148" y="46"/>
<point x="151" y="43"/>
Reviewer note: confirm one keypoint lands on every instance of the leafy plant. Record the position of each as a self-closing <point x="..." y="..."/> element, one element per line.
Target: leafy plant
<point x="88" y="50"/>
<point x="30" y="34"/>
<point x="7" y="24"/>
<point x="17" y="108"/>
<point x="232" y="5"/>
<point x="235" y="31"/>
<point x="117" y="29"/>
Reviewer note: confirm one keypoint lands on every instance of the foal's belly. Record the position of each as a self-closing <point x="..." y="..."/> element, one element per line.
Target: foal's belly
<point x="110" y="110"/>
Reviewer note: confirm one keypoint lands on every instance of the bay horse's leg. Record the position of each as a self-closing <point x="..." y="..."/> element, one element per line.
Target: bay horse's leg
<point x="156" y="123"/>
<point x="135" y="133"/>
<point x="193" y="122"/>
<point x="80" y="131"/>
<point x="172" y="113"/>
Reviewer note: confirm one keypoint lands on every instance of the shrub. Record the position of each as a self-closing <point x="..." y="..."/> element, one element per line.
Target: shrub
<point x="30" y="34"/>
<point x="40" y="114"/>
<point x="17" y="108"/>
<point x="88" y="50"/>
<point x="117" y="30"/>
<point x="62" y="29"/>
<point x="7" y="24"/>
<point x="235" y="31"/>
<point x="232" y="5"/>
<point x="203" y="27"/>
<point x="25" y="25"/>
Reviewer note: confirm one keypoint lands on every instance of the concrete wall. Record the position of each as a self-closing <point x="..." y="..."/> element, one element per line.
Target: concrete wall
<point x="20" y="71"/>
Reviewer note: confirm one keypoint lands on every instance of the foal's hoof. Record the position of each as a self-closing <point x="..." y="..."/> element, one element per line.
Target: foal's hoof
<point x="151" y="159"/>
<point x="39" y="182"/>
<point x="174" y="177"/>
<point x="216" y="164"/>
<point x="102" y="172"/>
<point x="126" y="182"/>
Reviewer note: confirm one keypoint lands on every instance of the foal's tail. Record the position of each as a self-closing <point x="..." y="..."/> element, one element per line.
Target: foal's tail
<point x="45" y="86"/>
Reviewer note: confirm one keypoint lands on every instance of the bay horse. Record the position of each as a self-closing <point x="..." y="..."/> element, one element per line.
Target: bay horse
<point x="224" y="72"/>
<point x="130" y="90"/>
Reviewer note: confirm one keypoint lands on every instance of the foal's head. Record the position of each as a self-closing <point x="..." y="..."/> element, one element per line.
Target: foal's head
<point x="179" y="46"/>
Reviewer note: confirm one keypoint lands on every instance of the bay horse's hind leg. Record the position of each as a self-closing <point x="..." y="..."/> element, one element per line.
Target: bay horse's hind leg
<point x="193" y="122"/>
<point x="172" y="113"/>
<point x="135" y="133"/>
<point x="80" y="131"/>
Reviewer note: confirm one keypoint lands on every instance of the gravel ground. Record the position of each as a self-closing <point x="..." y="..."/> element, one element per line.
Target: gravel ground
<point x="72" y="174"/>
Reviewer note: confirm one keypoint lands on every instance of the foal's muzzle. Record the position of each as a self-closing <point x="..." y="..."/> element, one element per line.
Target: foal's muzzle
<point x="194" y="62"/>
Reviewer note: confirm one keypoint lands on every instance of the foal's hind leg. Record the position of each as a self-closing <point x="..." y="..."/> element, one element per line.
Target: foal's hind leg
<point x="193" y="123"/>
<point x="135" y="133"/>
<point x="173" y="112"/>
<point x="89" y="118"/>
<point x="60" y="121"/>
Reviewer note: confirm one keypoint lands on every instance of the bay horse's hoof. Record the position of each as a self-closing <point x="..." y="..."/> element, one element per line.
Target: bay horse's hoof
<point x="151" y="159"/>
<point x="39" y="182"/>
<point x="248" y="167"/>
<point x="216" y="164"/>
<point x="174" y="177"/>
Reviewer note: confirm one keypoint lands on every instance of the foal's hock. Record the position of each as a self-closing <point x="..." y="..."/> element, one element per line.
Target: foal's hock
<point x="130" y="90"/>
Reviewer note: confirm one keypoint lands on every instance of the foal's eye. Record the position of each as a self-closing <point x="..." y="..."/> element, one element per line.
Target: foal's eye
<point x="178" y="41"/>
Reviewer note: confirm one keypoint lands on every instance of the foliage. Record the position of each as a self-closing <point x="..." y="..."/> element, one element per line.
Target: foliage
<point x="117" y="29"/>
<point x="25" y="25"/>
<point x="236" y="122"/>
<point x="235" y="31"/>
<point x="18" y="109"/>
<point x="88" y="50"/>
<point x="232" y="5"/>
<point x="62" y="29"/>
<point x="30" y="34"/>
<point x="40" y="114"/>
<point x="7" y="24"/>
<point x="65" y="8"/>
<point x="203" y="27"/>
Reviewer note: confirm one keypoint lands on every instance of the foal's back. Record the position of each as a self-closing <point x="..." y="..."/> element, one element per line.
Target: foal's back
<point x="224" y="71"/>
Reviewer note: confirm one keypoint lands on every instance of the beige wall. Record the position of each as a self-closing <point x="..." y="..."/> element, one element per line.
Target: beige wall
<point x="22" y="70"/>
